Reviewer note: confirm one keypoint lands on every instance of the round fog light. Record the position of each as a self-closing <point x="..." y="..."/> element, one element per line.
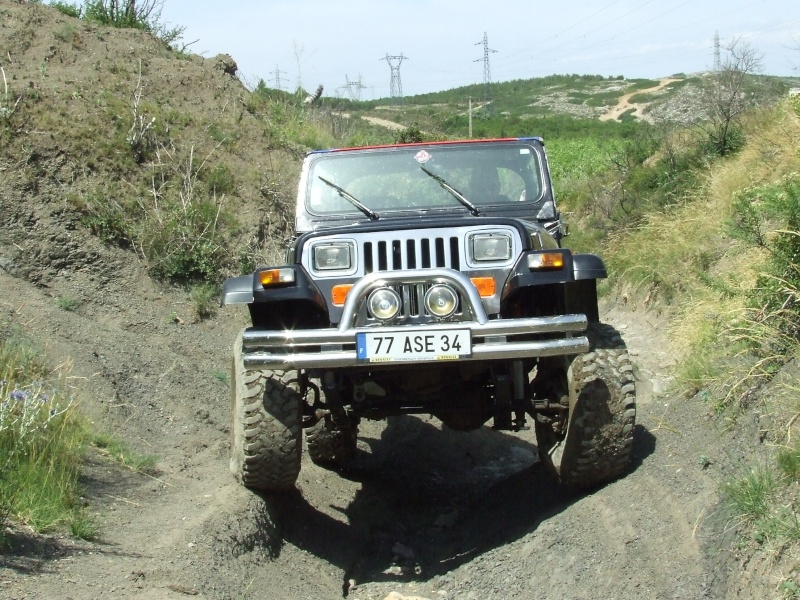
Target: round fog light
<point x="441" y="301"/>
<point x="384" y="303"/>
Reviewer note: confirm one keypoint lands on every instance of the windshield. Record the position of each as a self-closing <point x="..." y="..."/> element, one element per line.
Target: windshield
<point x="423" y="178"/>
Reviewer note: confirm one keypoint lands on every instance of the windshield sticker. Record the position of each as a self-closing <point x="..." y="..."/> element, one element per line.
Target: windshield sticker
<point x="422" y="157"/>
<point x="524" y="150"/>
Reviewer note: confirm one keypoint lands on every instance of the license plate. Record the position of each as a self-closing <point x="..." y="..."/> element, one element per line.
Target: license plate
<point x="450" y="344"/>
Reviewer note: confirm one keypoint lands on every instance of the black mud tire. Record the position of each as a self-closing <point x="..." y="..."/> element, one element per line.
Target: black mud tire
<point x="266" y="430"/>
<point x="330" y="445"/>
<point x="599" y="435"/>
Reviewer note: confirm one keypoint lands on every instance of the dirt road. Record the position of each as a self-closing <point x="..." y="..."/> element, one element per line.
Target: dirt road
<point x="422" y="512"/>
<point x="384" y="123"/>
<point x="624" y="104"/>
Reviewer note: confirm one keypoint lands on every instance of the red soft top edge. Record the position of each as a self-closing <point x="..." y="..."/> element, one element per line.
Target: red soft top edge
<point x="439" y="143"/>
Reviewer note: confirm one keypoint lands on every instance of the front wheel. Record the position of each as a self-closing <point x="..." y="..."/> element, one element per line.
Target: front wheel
<point x="331" y="439"/>
<point x="329" y="444"/>
<point x="595" y="446"/>
<point x="266" y="410"/>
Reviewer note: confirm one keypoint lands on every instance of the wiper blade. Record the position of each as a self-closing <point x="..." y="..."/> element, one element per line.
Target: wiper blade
<point x="454" y="192"/>
<point x="373" y="216"/>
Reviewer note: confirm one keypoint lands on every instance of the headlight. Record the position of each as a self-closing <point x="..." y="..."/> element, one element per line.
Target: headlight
<point x="441" y="300"/>
<point x="384" y="303"/>
<point x="334" y="256"/>
<point x="490" y="247"/>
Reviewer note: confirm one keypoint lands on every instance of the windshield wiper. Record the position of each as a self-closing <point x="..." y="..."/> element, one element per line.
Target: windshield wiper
<point x="373" y="216"/>
<point x="454" y="192"/>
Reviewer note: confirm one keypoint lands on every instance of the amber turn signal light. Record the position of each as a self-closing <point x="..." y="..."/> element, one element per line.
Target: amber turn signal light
<point x="339" y="293"/>
<point x="275" y="277"/>
<point x="486" y="286"/>
<point x="545" y="261"/>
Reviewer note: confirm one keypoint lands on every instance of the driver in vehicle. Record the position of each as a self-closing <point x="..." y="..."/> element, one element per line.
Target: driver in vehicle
<point x="485" y="185"/>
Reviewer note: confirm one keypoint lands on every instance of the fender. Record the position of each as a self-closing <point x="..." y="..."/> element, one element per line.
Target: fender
<point x="246" y="289"/>
<point x="588" y="266"/>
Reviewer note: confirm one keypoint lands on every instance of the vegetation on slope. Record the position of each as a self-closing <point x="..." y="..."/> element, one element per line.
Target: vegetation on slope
<point x="42" y="442"/>
<point x="169" y="156"/>
<point x="724" y="256"/>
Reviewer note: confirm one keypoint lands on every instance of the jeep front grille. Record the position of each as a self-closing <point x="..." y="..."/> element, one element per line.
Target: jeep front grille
<point x="411" y="250"/>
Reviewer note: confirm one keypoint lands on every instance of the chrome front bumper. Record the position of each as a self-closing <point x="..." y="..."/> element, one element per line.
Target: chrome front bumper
<point x="336" y="348"/>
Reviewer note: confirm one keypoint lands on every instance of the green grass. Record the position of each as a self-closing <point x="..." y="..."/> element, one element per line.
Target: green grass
<point x="221" y="376"/>
<point x="749" y="496"/>
<point x="578" y="158"/>
<point x="700" y="367"/>
<point x="68" y="303"/>
<point x="42" y="441"/>
<point x="788" y="461"/>
<point x="120" y="452"/>
<point x="205" y="300"/>
<point x="760" y="503"/>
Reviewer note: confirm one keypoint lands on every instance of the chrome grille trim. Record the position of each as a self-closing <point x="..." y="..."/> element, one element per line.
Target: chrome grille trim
<point x="412" y="250"/>
<point x="387" y="251"/>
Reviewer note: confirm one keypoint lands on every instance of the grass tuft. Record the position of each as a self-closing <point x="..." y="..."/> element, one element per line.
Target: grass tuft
<point x="205" y="298"/>
<point x="122" y="453"/>
<point x="749" y="496"/>
<point x="788" y="461"/>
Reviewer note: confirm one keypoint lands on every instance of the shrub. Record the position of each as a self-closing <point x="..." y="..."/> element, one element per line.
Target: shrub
<point x="409" y="135"/>
<point x="204" y="301"/>
<point x="135" y="14"/>
<point x="219" y="180"/>
<point x="182" y="232"/>
<point x="775" y="300"/>
<point x="66" y="8"/>
<point x="185" y="242"/>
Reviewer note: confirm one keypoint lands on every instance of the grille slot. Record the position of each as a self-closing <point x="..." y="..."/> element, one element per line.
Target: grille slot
<point x="412" y="253"/>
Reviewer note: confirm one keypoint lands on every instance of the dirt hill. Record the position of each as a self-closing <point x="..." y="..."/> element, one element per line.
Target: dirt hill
<point x="423" y="512"/>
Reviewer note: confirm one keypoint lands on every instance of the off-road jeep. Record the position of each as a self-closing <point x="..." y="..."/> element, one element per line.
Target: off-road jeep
<point x="428" y="279"/>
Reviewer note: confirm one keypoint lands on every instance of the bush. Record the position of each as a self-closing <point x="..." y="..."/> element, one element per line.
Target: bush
<point x="719" y="143"/>
<point x="183" y="231"/>
<point x="775" y="300"/>
<point x="205" y="299"/>
<point x="410" y="135"/>
<point x="186" y="243"/>
<point x="219" y="180"/>
<point x="134" y="14"/>
<point x="71" y="10"/>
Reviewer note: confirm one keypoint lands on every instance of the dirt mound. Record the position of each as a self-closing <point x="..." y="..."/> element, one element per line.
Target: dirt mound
<point x="421" y="512"/>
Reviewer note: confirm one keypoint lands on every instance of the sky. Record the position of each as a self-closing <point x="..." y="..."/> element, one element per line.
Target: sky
<point x="345" y="44"/>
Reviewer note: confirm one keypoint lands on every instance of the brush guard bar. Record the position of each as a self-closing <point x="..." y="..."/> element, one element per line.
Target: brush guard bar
<point x="491" y="339"/>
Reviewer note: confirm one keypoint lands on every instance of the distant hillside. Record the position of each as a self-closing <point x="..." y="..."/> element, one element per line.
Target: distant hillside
<point x="540" y="105"/>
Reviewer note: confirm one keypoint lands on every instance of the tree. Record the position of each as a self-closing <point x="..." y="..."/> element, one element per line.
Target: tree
<point x="726" y="95"/>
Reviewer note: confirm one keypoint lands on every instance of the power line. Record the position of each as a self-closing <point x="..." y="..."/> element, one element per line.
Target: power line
<point x="354" y="88"/>
<point x="487" y="72"/>
<point x="395" y="86"/>
<point x="616" y="39"/>
<point x="277" y="72"/>
<point x="540" y="43"/>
